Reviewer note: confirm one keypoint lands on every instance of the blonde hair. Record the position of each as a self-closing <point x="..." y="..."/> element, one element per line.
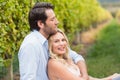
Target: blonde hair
<point x="52" y="54"/>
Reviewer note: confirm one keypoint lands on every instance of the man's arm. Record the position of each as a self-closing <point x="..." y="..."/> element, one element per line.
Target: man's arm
<point x="27" y="61"/>
<point x="79" y="60"/>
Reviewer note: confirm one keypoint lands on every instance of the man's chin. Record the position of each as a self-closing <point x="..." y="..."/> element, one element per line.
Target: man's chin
<point x="55" y="31"/>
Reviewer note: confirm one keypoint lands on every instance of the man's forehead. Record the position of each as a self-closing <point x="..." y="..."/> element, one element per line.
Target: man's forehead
<point x="50" y="13"/>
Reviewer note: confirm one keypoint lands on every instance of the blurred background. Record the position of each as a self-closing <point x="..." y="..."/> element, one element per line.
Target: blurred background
<point x="92" y="27"/>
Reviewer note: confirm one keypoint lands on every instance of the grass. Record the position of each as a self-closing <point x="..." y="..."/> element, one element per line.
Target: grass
<point x="103" y="57"/>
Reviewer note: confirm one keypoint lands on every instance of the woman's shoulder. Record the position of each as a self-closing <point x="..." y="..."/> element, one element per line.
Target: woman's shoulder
<point x="53" y="62"/>
<point x="55" y="66"/>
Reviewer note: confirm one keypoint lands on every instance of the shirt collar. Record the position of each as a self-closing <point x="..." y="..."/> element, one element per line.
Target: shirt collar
<point x="40" y="37"/>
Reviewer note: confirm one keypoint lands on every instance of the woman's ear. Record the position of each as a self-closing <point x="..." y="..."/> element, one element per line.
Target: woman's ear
<point x="40" y="24"/>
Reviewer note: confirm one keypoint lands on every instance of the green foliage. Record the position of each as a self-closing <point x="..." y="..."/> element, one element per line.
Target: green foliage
<point x="13" y="26"/>
<point x="108" y="38"/>
<point x="1" y="62"/>
<point x="105" y="52"/>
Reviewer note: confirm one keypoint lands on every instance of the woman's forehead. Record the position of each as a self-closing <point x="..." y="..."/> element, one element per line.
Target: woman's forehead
<point x="58" y="35"/>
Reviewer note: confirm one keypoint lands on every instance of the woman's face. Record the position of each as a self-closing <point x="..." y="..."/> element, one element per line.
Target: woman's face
<point x="59" y="44"/>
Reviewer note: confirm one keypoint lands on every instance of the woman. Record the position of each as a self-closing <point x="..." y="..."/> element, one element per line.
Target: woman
<point x="60" y="65"/>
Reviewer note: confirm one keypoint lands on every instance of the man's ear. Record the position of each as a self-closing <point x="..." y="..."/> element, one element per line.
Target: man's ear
<point x="40" y="24"/>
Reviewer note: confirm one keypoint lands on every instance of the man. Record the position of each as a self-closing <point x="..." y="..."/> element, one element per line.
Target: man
<point x="33" y="54"/>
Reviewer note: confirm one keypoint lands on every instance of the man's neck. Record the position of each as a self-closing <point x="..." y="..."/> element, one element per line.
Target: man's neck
<point x="44" y="34"/>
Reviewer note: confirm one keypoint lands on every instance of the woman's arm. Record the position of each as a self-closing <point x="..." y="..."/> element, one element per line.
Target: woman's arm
<point x="79" y="60"/>
<point x="58" y="70"/>
<point x="83" y="69"/>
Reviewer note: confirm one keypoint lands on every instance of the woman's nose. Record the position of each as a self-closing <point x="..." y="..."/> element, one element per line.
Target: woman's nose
<point x="61" y="43"/>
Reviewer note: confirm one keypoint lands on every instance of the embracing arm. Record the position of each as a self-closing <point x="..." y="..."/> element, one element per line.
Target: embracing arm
<point x="58" y="70"/>
<point x="79" y="60"/>
<point x="83" y="69"/>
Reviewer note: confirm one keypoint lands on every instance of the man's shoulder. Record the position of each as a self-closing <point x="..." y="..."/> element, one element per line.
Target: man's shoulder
<point x="30" y="39"/>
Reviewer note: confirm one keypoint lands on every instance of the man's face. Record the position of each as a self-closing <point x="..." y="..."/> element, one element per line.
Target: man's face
<point x="50" y="26"/>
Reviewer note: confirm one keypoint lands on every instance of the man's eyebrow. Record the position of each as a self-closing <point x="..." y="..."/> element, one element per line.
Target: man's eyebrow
<point x="54" y="17"/>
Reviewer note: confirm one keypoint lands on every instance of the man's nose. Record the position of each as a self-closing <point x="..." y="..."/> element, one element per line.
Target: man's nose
<point x="57" y="22"/>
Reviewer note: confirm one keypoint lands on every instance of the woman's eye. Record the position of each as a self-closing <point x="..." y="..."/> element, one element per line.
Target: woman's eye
<point x="56" y="41"/>
<point x="63" y="40"/>
<point x="52" y="19"/>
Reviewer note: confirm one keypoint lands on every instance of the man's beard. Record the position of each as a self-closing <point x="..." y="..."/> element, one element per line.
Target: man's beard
<point x="49" y="31"/>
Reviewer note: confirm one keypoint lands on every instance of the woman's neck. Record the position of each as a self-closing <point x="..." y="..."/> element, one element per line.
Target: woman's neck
<point x="60" y="56"/>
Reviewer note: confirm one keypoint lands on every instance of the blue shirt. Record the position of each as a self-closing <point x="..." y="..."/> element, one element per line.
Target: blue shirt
<point x="33" y="57"/>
